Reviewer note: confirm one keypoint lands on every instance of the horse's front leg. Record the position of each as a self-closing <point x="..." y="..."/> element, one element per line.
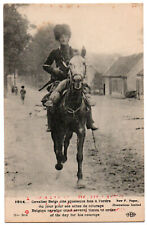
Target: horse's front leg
<point x="58" y="143"/>
<point x="80" y="142"/>
<point x="59" y="156"/>
<point x="66" y="144"/>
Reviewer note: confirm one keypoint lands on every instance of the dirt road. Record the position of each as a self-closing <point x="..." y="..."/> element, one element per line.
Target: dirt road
<point x="116" y="166"/>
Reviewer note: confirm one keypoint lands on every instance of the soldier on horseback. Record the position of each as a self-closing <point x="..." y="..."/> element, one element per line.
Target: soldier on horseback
<point x="61" y="57"/>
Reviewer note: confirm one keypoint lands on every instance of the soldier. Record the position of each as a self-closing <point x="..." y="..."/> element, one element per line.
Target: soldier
<point x="61" y="56"/>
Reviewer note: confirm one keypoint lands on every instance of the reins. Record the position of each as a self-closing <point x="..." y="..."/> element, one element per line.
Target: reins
<point x="72" y="111"/>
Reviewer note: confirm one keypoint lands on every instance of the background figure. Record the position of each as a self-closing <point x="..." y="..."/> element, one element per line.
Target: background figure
<point x="22" y="94"/>
<point x="16" y="90"/>
<point x="12" y="90"/>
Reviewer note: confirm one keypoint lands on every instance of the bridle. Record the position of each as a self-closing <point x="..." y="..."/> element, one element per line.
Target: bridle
<point x="75" y="83"/>
<point x="68" y="109"/>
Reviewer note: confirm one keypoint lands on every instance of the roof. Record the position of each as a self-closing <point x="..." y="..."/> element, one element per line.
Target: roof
<point x="140" y="73"/>
<point x="124" y="65"/>
<point x="137" y="69"/>
<point x="101" y="62"/>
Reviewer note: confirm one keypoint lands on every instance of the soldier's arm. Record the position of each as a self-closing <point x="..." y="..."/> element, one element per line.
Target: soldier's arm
<point x="56" y="73"/>
<point x="47" y="65"/>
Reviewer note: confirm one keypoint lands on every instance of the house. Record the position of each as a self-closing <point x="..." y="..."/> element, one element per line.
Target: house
<point x="96" y="65"/>
<point x="121" y="76"/>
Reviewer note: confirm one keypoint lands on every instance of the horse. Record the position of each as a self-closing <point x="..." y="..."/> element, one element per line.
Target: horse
<point x="70" y="117"/>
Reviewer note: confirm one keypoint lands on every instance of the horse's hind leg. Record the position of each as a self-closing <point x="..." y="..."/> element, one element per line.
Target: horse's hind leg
<point x="66" y="144"/>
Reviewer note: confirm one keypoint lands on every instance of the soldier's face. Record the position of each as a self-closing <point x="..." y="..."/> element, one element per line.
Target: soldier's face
<point x="64" y="39"/>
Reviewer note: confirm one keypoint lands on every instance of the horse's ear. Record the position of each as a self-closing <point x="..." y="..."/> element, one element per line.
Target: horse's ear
<point x="83" y="52"/>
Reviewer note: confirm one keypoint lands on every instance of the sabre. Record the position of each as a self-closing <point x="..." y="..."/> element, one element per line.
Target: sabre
<point x="49" y="82"/>
<point x="94" y="141"/>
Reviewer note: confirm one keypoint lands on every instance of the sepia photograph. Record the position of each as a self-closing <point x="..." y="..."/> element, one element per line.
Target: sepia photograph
<point x="73" y="112"/>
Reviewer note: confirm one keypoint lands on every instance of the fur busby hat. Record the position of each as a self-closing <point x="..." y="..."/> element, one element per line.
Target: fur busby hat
<point x="22" y="86"/>
<point x="61" y="29"/>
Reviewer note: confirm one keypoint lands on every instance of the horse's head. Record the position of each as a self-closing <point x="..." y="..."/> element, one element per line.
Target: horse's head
<point x="78" y="70"/>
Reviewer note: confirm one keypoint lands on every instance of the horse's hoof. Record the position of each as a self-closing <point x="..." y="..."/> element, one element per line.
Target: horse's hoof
<point x="80" y="184"/>
<point x="58" y="166"/>
<point x="64" y="158"/>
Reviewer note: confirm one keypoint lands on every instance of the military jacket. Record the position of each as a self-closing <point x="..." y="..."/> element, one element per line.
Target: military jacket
<point x="61" y="57"/>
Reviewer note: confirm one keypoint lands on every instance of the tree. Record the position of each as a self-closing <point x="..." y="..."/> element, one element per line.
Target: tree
<point x="35" y="54"/>
<point x="15" y="38"/>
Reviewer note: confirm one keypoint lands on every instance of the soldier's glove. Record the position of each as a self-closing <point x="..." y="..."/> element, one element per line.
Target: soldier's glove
<point x="57" y="71"/>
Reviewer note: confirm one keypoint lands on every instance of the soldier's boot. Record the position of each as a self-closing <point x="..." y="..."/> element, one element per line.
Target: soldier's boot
<point x="90" y="122"/>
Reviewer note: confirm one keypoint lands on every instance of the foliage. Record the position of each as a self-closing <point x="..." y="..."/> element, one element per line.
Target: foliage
<point x="97" y="81"/>
<point x="15" y="37"/>
<point x="36" y="53"/>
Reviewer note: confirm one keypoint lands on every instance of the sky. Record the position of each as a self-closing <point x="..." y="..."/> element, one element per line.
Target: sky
<point x="101" y="28"/>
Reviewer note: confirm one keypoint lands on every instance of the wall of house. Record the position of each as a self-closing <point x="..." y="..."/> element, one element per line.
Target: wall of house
<point x="131" y="83"/>
<point x="131" y="76"/>
<point x="107" y="88"/>
<point x="139" y="85"/>
<point x="115" y="86"/>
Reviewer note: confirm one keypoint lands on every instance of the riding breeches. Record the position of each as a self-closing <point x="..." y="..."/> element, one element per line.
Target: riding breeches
<point x="56" y="94"/>
<point x="62" y="86"/>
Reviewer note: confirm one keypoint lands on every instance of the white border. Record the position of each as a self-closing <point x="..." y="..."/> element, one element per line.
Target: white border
<point x="71" y="1"/>
<point x="1" y="86"/>
<point x="1" y="121"/>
